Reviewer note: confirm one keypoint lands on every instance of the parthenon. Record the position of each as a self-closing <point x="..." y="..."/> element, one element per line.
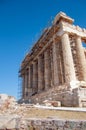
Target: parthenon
<point x="57" y="59"/>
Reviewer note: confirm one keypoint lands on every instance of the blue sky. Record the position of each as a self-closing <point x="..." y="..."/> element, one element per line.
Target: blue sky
<point x="20" y="24"/>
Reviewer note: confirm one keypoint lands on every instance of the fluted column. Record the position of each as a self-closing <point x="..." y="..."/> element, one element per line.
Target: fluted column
<point x="40" y="73"/>
<point x="23" y="86"/>
<point x="26" y="84"/>
<point x="29" y="82"/>
<point x="35" y="77"/>
<point x="30" y="79"/>
<point x="81" y="58"/>
<point x="55" y="65"/>
<point x="47" y="69"/>
<point x="68" y="59"/>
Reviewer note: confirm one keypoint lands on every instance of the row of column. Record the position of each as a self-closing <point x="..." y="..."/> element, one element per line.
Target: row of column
<point x="38" y="75"/>
<point x="68" y="58"/>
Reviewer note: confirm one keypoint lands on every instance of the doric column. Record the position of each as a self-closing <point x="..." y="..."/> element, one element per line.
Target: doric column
<point x="23" y="86"/>
<point x="30" y="80"/>
<point x="81" y="58"/>
<point x="40" y="73"/>
<point x="35" y="77"/>
<point x="47" y="69"/>
<point x="55" y="65"/>
<point x="68" y="59"/>
<point x="26" y="84"/>
<point x="28" y="77"/>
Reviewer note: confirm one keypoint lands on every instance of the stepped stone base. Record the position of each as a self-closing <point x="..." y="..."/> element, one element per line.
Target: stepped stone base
<point x="68" y="98"/>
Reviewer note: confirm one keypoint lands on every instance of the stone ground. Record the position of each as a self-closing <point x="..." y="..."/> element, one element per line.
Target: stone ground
<point x="51" y="112"/>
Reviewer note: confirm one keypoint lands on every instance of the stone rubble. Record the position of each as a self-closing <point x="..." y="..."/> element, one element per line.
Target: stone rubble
<point x="52" y="103"/>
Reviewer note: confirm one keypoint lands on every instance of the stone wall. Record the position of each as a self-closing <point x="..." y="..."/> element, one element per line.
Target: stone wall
<point x="45" y="124"/>
<point x="53" y="124"/>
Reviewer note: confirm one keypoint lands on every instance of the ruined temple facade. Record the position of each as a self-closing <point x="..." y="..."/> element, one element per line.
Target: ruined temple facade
<point x="57" y="60"/>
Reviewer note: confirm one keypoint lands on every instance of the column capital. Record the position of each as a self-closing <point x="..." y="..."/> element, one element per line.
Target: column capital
<point x="34" y="61"/>
<point x="26" y="71"/>
<point x="61" y="32"/>
<point x="65" y="32"/>
<point x="78" y="36"/>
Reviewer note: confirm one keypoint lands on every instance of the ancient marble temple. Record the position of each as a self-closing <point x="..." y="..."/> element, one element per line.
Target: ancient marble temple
<point x="58" y="58"/>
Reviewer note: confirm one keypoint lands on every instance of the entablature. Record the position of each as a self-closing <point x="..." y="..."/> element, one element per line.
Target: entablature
<point x="71" y="29"/>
